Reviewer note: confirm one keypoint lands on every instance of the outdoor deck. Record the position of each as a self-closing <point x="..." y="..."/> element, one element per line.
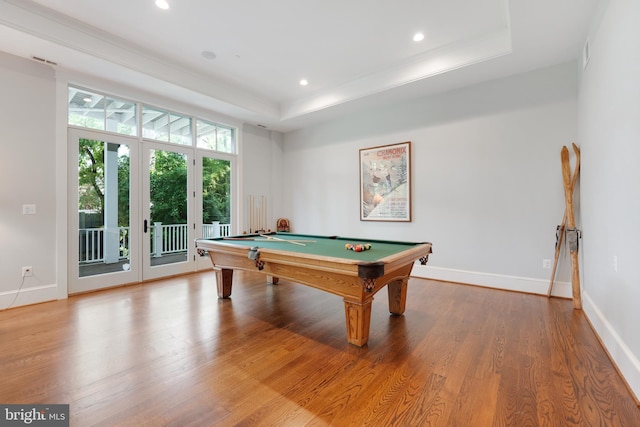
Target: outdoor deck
<point x="96" y="268"/>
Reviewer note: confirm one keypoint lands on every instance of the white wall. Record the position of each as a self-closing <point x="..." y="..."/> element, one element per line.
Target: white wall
<point x="487" y="182"/>
<point x="609" y="129"/>
<point x="262" y="158"/>
<point x="27" y="176"/>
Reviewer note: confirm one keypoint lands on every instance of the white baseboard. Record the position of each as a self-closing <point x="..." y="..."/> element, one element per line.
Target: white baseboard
<point x="626" y="362"/>
<point x="488" y="280"/>
<point x="27" y="296"/>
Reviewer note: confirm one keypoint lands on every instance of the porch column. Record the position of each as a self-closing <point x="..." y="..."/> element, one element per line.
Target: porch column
<point x="111" y="231"/>
<point x="157" y="239"/>
<point x="215" y="225"/>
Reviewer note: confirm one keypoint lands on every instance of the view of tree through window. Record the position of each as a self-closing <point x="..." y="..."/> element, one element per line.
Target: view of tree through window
<point x="165" y="206"/>
<point x="91" y="181"/>
<point x="168" y="177"/>
<point x="216" y="190"/>
<point x="168" y="181"/>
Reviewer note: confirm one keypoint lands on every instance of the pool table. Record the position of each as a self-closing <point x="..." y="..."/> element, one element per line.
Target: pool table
<point x="324" y="263"/>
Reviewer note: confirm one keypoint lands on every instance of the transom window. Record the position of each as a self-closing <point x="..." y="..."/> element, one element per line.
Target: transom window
<point x="165" y="126"/>
<point x="96" y="111"/>
<point x="93" y="110"/>
<point x="212" y="136"/>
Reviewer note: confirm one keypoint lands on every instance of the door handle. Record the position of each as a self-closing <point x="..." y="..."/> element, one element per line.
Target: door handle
<point x="146" y="226"/>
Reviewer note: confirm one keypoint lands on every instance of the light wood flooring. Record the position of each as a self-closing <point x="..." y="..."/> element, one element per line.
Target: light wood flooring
<point x="170" y="353"/>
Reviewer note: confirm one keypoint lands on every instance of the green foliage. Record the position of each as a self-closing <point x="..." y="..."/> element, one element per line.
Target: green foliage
<point x="123" y="190"/>
<point x="91" y="176"/>
<point x="91" y="180"/>
<point x="168" y="182"/>
<point x="216" y="190"/>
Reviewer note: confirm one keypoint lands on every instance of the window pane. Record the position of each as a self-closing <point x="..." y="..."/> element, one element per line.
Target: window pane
<point x="104" y="172"/>
<point x="121" y="116"/>
<point x="168" y="194"/>
<point x="216" y="197"/>
<point x="226" y="141"/>
<point x="180" y="130"/>
<point x="86" y="109"/>
<point x="216" y="137"/>
<point x="206" y="135"/>
<point x="155" y="124"/>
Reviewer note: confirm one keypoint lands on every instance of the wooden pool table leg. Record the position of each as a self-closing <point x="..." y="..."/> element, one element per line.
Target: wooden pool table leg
<point x="397" y="290"/>
<point x="224" y="280"/>
<point x="358" y="315"/>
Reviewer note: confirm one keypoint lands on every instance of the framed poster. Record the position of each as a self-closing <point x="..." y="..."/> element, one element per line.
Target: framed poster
<point x="385" y="183"/>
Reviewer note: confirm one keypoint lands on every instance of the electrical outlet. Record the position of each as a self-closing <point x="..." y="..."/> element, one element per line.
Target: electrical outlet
<point x="546" y="264"/>
<point x="27" y="271"/>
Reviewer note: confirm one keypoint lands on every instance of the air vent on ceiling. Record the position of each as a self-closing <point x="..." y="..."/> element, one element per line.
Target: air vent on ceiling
<point x="44" y="61"/>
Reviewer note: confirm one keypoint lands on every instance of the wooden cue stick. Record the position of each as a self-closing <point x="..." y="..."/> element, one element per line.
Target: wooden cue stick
<point x="250" y="214"/>
<point x="292" y="240"/>
<point x="259" y="214"/>
<point x="283" y="240"/>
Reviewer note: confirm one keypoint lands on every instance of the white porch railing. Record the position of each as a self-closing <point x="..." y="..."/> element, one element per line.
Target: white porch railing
<point x="165" y="239"/>
<point x="91" y="244"/>
<point x="215" y="229"/>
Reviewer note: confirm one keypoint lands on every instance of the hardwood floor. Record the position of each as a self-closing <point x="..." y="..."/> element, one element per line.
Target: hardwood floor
<point x="171" y="353"/>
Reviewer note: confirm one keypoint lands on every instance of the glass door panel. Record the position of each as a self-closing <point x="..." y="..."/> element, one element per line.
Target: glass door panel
<point x="216" y="197"/>
<point x="214" y="188"/>
<point x="168" y="233"/>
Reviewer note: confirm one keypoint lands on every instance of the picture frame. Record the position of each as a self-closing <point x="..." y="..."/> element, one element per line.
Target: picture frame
<point x="385" y="183"/>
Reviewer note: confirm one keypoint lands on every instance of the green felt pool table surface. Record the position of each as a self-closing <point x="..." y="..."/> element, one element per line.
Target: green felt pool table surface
<point x="326" y="246"/>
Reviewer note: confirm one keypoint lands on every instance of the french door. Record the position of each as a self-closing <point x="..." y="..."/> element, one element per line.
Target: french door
<point x="103" y="193"/>
<point x="168" y="227"/>
<point x="135" y="208"/>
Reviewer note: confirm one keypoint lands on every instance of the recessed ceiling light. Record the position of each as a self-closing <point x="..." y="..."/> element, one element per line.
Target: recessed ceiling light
<point x="418" y="37"/>
<point x="207" y="54"/>
<point x="304" y="82"/>
<point x="162" y="4"/>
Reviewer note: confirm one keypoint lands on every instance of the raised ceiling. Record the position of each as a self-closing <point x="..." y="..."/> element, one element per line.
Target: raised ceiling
<point x="355" y="54"/>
